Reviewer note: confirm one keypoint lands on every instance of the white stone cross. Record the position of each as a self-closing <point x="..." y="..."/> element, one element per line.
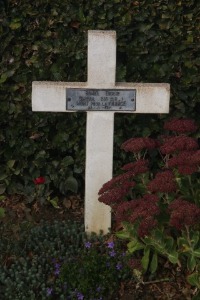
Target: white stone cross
<point x="52" y="97"/>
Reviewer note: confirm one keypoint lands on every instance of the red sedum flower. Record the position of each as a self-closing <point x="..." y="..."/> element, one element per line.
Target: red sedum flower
<point x="138" y="167"/>
<point x="183" y="213"/>
<point x="187" y="162"/>
<point x="181" y="125"/>
<point x="39" y="180"/>
<point x="178" y="143"/>
<point x="139" y="144"/>
<point x="141" y="211"/>
<point x="163" y="182"/>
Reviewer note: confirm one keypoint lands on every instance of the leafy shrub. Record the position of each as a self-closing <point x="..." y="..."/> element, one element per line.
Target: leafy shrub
<point x="58" y="260"/>
<point x="30" y="274"/>
<point x="97" y="272"/>
<point x="47" y="40"/>
<point x="159" y="206"/>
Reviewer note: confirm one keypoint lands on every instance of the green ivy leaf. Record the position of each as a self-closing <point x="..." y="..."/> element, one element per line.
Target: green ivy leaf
<point x="71" y="184"/>
<point x="15" y="25"/>
<point x="2" y="188"/>
<point x="54" y="202"/>
<point x="2" y="198"/>
<point x="3" y="78"/>
<point x="2" y="212"/>
<point x="10" y="163"/>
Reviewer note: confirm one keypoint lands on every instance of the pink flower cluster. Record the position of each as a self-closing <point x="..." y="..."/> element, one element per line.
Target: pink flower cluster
<point x="138" y="167"/>
<point x="180" y="152"/>
<point x="139" y="144"/>
<point x="163" y="182"/>
<point x="115" y="190"/>
<point x="117" y="181"/>
<point x="140" y="211"/>
<point x="187" y="162"/>
<point x="116" y="195"/>
<point x="178" y="143"/>
<point x="183" y="213"/>
<point x="181" y="125"/>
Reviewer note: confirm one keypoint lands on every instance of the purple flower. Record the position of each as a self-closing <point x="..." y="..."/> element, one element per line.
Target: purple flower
<point x="111" y="245"/>
<point x="57" y="266"/>
<point x="119" y="266"/>
<point x="57" y="272"/>
<point x="87" y="245"/>
<point x="80" y="296"/>
<point x="112" y="253"/>
<point x="98" y="289"/>
<point x="49" y="291"/>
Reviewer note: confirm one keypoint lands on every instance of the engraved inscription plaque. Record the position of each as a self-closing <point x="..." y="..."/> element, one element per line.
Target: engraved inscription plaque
<point x="100" y="99"/>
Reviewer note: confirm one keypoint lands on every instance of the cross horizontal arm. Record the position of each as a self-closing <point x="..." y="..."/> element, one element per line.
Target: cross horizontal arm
<point x="51" y="96"/>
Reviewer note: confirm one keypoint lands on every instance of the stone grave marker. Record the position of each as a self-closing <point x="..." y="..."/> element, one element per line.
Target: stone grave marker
<point x="101" y="97"/>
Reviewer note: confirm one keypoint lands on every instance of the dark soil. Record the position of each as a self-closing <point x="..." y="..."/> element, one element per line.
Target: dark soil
<point x="168" y="284"/>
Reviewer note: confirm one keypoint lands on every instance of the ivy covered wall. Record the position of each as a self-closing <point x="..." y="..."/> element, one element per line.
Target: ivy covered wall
<point x="157" y="41"/>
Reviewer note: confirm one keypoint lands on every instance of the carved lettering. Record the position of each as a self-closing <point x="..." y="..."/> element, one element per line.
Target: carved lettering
<point x="101" y="99"/>
<point x="92" y="93"/>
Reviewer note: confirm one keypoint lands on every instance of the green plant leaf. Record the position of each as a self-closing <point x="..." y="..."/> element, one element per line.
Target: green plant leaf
<point x="54" y="202"/>
<point x="67" y="161"/>
<point x="173" y="257"/>
<point x="134" y="246"/>
<point x="71" y="184"/>
<point x="154" y="263"/>
<point x="194" y="279"/>
<point x="2" y="198"/>
<point x="2" y="212"/>
<point x="197" y="253"/>
<point x="3" y="78"/>
<point x="195" y="238"/>
<point x="2" y="188"/>
<point x="191" y="263"/>
<point x="11" y="163"/>
<point x="123" y="234"/>
<point x="145" y="258"/>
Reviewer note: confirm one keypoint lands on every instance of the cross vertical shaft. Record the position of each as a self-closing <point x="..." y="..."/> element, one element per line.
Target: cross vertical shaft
<point x="100" y="128"/>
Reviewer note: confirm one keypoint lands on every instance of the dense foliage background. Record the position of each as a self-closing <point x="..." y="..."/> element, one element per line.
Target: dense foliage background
<point x="157" y="41"/>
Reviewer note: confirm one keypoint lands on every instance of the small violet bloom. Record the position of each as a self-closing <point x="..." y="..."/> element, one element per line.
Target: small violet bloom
<point x="111" y="245"/>
<point x="49" y="291"/>
<point x="57" y="266"/>
<point x="87" y="245"/>
<point x="57" y="272"/>
<point x="80" y="296"/>
<point x="112" y="253"/>
<point x="98" y="289"/>
<point x="57" y="269"/>
<point x="119" y="266"/>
